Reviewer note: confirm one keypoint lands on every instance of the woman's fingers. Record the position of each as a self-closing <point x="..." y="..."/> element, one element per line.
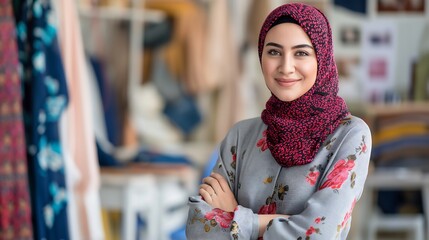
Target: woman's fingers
<point x="206" y="195"/>
<point x="216" y="192"/>
<point x="208" y="189"/>
<point x="221" y="180"/>
<point x="214" y="183"/>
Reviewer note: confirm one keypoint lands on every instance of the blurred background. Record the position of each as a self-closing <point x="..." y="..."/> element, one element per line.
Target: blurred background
<point x="111" y="110"/>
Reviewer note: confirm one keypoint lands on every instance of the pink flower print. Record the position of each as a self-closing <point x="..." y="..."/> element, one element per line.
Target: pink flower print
<point x="262" y="143"/>
<point x="268" y="209"/>
<point x="223" y="218"/>
<point x="319" y="220"/>
<point x="362" y="148"/>
<point x="312" y="177"/>
<point x="234" y="161"/>
<point x="348" y="214"/>
<point x="310" y="231"/>
<point x="339" y="174"/>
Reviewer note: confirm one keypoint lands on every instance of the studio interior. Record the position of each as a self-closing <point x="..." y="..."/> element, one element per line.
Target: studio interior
<point x="112" y="111"/>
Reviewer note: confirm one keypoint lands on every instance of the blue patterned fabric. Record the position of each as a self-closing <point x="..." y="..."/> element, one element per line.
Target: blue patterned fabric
<point x="44" y="97"/>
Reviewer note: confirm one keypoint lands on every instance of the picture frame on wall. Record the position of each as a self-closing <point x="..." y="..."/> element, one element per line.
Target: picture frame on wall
<point x="346" y="66"/>
<point x="350" y="35"/>
<point x="401" y="6"/>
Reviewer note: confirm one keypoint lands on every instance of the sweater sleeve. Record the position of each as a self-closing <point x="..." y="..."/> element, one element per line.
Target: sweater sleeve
<point x="205" y="222"/>
<point x="327" y="213"/>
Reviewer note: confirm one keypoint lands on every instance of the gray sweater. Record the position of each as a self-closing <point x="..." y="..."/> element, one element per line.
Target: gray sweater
<point x="319" y="197"/>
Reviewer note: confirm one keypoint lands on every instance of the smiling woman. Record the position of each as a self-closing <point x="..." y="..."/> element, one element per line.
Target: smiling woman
<point x="297" y="171"/>
<point x="289" y="63"/>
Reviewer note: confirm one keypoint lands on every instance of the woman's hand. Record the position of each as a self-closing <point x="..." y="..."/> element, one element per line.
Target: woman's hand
<point x="216" y="192"/>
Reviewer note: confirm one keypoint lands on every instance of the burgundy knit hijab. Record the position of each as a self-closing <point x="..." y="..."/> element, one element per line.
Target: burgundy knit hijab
<point x="297" y="129"/>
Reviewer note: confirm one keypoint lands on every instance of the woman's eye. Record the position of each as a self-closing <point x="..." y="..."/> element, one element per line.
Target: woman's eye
<point x="273" y="52"/>
<point x="301" y="53"/>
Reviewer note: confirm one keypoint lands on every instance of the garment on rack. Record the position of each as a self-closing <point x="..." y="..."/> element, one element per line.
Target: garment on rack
<point x="185" y="52"/>
<point x="108" y="102"/>
<point x="180" y="107"/>
<point x="157" y="34"/>
<point x="79" y="135"/>
<point x="44" y="99"/>
<point x="108" y="154"/>
<point x="223" y="69"/>
<point x="15" y="211"/>
<point x="254" y="19"/>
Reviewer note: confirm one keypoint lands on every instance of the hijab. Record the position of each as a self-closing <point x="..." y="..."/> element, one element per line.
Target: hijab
<point x="297" y="129"/>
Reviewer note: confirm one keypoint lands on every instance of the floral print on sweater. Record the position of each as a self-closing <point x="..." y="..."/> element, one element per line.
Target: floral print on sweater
<point x="318" y="197"/>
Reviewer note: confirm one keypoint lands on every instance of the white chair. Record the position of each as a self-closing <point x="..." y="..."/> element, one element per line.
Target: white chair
<point x="133" y="195"/>
<point x="413" y="224"/>
<point x="173" y="208"/>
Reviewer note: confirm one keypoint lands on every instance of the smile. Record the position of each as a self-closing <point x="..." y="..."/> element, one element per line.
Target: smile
<point x="286" y="82"/>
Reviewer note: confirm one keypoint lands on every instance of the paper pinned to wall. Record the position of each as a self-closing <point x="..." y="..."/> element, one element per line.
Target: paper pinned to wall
<point x="379" y="52"/>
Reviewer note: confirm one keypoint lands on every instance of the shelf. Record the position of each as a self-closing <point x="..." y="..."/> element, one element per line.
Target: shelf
<point x="397" y="108"/>
<point x="114" y="13"/>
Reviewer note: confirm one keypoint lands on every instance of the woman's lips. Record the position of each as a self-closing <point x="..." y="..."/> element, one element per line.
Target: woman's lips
<point x="286" y="82"/>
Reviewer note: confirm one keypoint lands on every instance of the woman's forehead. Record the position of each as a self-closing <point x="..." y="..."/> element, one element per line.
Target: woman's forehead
<point x="288" y="32"/>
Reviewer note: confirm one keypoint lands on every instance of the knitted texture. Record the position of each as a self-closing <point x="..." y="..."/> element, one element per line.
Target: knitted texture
<point x="15" y="207"/>
<point x="297" y="129"/>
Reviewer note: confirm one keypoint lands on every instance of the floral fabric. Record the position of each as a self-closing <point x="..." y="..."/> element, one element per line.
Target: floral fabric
<point x="44" y="97"/>
<point x="319" y="197"/>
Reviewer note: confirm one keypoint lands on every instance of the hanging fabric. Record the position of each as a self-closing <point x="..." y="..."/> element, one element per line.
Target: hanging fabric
<point x="44" y="99"/>
<point x="79" y="133"/>
<point x="221" y="43"/>
<point x="180" y="107"/>
<point x="184" y="53"/>
<point x="15" y="211"/>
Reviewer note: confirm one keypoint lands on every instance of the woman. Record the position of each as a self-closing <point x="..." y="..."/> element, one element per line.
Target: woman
<point x="297" y="171"/>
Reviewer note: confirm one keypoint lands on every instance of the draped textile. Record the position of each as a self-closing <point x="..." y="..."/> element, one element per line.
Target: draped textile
<point x="15" y="211"/>
<point x="79" y="135"/>
<point x="44" y="97"/>
<point x="185" y="52"/>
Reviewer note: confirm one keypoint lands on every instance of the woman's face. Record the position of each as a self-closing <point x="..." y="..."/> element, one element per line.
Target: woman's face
<point x="289" y="62"/>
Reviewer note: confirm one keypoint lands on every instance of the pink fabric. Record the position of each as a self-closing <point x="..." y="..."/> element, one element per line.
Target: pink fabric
<point x="80" y="137"/>
<point x="297" y="129"/>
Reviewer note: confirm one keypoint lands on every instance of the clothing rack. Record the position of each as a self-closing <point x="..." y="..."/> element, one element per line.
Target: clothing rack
<point x="137" y="16"/>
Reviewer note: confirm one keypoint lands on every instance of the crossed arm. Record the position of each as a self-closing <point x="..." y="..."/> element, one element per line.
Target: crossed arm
<point x="216" y="192"/>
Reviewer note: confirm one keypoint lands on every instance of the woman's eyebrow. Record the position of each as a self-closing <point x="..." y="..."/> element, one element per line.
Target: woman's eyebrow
<point x="302" y="46"/>
<point x="294" y="47"/>
<point x="274" y="45"/>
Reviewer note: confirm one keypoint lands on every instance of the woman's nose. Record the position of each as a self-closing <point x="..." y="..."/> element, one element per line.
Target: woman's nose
<point x="287" y="65"/>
